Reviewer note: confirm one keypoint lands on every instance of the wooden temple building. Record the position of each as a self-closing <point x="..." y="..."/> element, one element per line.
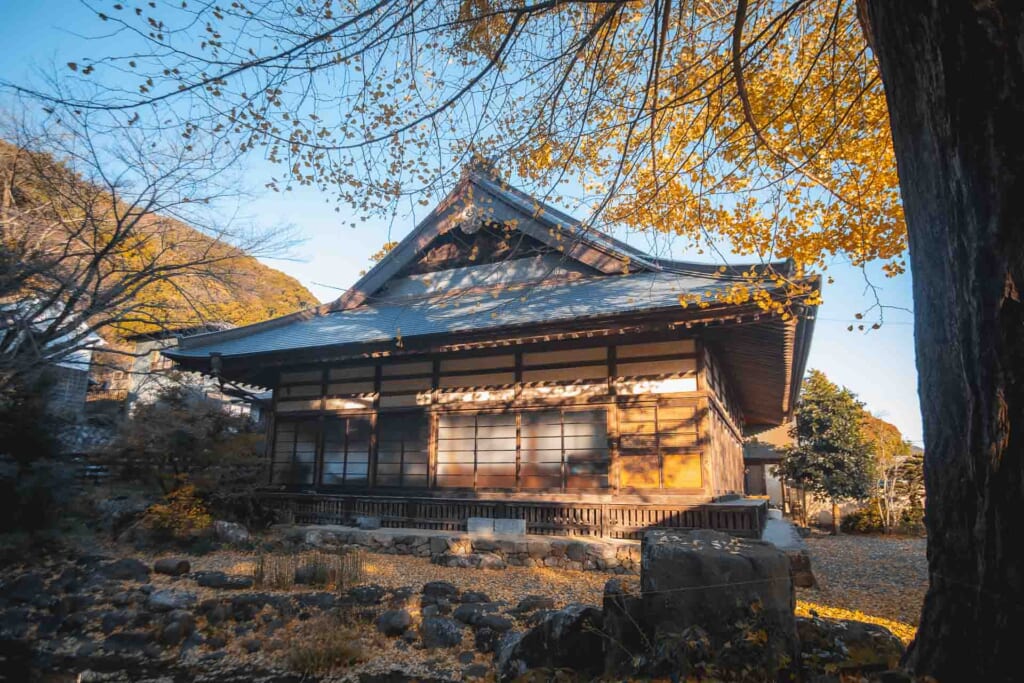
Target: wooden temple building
<point x="504" y="361"/>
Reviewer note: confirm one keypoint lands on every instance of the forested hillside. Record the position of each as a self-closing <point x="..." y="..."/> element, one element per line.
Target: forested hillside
<point x="235" y="289"/>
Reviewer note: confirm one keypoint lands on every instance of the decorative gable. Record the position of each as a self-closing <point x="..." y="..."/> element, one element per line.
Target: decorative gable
<point x="457" y="248"/>
<point x="484" y="221"/>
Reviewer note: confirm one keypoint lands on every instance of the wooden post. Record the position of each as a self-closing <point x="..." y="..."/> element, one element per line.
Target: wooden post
<point x="371" y="456"/>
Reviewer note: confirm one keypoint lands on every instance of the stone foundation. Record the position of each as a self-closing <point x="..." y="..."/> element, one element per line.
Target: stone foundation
<point x="491" y="551"/>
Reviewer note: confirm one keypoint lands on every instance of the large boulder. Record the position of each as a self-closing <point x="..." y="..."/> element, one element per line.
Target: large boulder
<point x="847" y="646"/>
<point x="708" y="597"/>
<point x="570" y="638"/>
<point x="622" y="613"/>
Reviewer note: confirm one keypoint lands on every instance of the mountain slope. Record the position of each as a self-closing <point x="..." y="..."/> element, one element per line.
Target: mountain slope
<point x="236" y="289"/>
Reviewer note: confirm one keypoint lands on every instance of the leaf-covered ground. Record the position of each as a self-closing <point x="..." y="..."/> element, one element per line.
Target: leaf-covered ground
<point x="881" y="579"/>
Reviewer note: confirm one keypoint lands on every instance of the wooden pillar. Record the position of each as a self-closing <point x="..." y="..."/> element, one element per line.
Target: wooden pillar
<point x="612" y="422"/>
<point x="371" y="457"/>
<point x="435" y="382"/>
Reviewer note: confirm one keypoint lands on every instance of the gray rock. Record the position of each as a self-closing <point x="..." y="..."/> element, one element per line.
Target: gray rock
<point x="126" y="569"/>
<point x="216" y="613"/>
<point x="394" y="622"/>
<point x="230" y="532"/>
<point x="534" y="602"/>
<point x="179" y="625"/>
<point x="491" y="561"/>
<point x="366" y="595"/>
<point x="167" y="600"/>
<point x="475" y="672"/>
<point x="24" y="588"/>
<point x="474" y="596"/>
<point x="623" y="625"/>
<point x="127" y="641"/>
<point x="320" y="538"/>
<point x="847" y="646"/>
<point x="576" y="551"/>
<point x="494" y="622"/>
<point x="111" y="620"/>
<point x="570" y="638"/>
<point x="484" y="544"/>
<point x="709" y="587"/>
<point x="486" y="640"/>
<point x="401" y="597"/>
<point x="440" y="589"/>
<point x="172" y="566"/>
<point x="251" y="645"/>
<point x="438" y="632"/>
<point x="119" y="512"/>
<point x="213" y="579"/>
<point x="14" y="623"/>
<point x="471" y="612"/>
<point x="126" y="598"/>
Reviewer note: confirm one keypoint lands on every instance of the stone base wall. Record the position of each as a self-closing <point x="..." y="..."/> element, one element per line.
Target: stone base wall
<point x="485" y="552"/>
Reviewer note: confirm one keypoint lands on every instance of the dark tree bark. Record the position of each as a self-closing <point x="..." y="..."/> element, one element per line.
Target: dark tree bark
<point x="954" y="79"/>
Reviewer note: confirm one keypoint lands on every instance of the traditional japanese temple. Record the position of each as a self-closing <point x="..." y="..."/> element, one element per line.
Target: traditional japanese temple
<point x="505" y="361"/>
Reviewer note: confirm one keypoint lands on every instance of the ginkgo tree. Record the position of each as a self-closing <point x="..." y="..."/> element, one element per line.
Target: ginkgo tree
<point x="772" y="128"/>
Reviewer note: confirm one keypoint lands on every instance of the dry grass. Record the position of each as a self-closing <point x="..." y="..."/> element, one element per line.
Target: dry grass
<point x="335" y="570"/>
<point x="322" y="645"/>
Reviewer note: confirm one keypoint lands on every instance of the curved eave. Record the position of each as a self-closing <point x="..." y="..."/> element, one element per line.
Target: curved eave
<point x="764" y="356"/>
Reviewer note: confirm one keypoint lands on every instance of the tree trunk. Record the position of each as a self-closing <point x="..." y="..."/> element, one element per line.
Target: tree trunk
<point x="954" y="80"/>
<point x="835" y="518"/>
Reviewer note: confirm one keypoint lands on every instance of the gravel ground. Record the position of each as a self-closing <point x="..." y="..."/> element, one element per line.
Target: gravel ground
<point x="869" y="578"/>
<point x="382" y="655"/>
<point x="880" y="576"/>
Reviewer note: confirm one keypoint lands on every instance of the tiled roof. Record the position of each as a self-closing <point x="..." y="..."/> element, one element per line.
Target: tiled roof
<point x="409" y="309"/>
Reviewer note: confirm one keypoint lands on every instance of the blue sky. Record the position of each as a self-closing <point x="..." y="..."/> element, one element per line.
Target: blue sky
<point x="878" y="366"/>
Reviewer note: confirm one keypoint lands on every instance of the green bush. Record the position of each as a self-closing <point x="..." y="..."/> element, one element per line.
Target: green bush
<point x="866" y="520"/>
<point x="912" y="520"/>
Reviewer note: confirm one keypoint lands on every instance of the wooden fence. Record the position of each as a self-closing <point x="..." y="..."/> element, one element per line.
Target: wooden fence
<point x="610" y="520"/>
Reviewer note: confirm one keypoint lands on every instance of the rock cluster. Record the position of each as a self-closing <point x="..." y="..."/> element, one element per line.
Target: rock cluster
<point x="483" y="552"/>
<point x="708" y="603"/>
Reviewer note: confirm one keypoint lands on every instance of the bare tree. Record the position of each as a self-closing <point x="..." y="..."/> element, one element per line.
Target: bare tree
<point x="103" y="234"/>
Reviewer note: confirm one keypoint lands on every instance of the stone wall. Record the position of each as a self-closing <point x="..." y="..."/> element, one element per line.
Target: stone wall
<point x="453" y="549"/>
